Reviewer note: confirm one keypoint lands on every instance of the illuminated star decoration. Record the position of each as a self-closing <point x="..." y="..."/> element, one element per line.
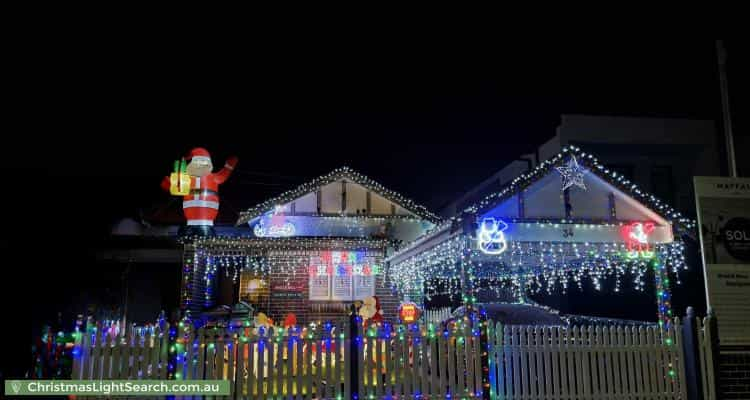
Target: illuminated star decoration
<point x="572" y="174"/>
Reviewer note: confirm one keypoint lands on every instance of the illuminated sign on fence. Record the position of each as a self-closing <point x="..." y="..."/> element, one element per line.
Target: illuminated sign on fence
<point x="408" y="312"/>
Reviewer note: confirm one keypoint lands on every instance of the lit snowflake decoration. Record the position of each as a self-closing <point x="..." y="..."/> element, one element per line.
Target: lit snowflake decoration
<point x="572" y="174"/>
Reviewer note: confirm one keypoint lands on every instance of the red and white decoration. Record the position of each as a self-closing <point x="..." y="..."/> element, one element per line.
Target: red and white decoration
<point x="201" y="205"/>
<point x="636" y="236"/>
<point x="370" y="311"/>
<point x="409" y="312"/>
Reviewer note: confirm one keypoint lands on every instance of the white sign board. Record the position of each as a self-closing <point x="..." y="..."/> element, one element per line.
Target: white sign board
<point x="723" y="206"/>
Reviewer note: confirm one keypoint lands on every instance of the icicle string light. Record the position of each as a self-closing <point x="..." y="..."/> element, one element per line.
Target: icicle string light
<point x="337" y="174"/>
<point x="534" y="266"/>
<point x="592" y="164"/>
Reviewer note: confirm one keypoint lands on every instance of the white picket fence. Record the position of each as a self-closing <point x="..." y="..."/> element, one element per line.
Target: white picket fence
<point x="437" y="316"/>
<point x="422" y="361"/>
<point x="427" y="361"/>
<point x="706" y="357"/>
<point x="137" y="354"/>
<point x="273" y="364"/>
<point x="590" y="362"/>
<point x="391" y="362"/>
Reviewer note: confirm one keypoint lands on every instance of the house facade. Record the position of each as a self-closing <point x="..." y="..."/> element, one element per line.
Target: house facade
<point x="308" y="253"/>
<point x="568" y="222"/>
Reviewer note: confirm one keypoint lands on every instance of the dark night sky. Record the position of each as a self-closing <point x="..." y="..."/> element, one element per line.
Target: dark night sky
<point x="429" y="122"/>
<point x="98" y="126"/>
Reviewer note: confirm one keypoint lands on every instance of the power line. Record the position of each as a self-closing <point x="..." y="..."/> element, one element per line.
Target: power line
<point x="246" y="172"/>
<point x="243" y="182"/>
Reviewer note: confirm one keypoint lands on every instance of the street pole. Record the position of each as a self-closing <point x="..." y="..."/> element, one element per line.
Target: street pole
<point x="721" y="54"/>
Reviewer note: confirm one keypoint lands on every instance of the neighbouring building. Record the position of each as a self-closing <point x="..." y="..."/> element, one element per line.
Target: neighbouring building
<point x="661" y="155"/>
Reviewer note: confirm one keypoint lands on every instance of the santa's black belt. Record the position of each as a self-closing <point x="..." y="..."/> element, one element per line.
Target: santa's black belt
<point x="204" y="193"/>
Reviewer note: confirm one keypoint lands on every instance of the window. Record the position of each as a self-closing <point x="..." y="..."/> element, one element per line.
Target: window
<point x="252" y="287"/>
<point x="342" y="275"/>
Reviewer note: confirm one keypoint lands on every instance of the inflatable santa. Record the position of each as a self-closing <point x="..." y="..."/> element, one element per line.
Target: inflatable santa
<point x="200" y="203"/>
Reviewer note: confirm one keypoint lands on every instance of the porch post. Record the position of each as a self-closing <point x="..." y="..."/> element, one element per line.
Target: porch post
<point x="468" y="229"/>
<point x="462" y="281"/>
<point x="663" y="295"/>
<point x="467" y="285"/>
<point x="192" y="284"/>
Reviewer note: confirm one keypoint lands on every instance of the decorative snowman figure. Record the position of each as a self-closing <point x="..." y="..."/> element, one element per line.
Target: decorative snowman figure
<point x="490" y="238"/>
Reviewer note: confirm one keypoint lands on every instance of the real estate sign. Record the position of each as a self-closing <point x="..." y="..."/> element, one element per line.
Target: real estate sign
<point x="723" y="206"/>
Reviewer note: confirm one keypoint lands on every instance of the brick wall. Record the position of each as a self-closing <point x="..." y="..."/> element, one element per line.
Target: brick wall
<point x="389" y="301"/>
<point x="286" y="288"/>
<point x="286" y="272"/>
<point x="289" y="274"/>
<point x="193" y="283"/>
<point x="734" y="375"/>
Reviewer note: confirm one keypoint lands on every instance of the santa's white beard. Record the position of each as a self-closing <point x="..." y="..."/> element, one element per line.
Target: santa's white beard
<point x="199" y="170"/>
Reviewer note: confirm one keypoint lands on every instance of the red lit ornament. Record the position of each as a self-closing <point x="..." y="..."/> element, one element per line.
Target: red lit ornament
<point x="409" y="312"/>
<point x="636" y="239"/>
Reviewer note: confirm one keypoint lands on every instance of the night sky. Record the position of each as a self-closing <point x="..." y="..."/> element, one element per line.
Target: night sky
<point x="95" y="132"/>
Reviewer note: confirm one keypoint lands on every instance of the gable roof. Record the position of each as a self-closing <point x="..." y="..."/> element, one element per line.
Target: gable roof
<point x="335" y="175"/>
<point x="592" y="164"/>
<point x="451" y="228"/>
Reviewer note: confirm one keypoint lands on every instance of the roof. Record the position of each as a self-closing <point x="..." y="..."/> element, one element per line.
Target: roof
<point x="592" y="163"/>
<point x="168" y="211"/>
<point x="339" y="173"/>
<point x="448" y="230"/>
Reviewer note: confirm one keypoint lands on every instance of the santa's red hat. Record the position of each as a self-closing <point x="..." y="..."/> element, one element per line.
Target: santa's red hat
<point x="198" y="153"/>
